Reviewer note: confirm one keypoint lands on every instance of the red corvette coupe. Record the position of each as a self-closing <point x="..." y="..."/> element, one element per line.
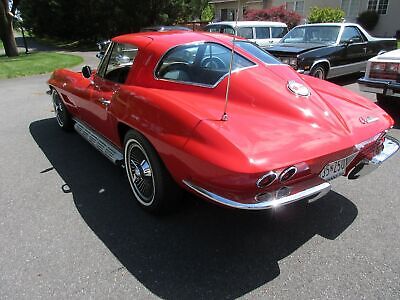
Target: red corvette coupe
<point x="234" y="126"/>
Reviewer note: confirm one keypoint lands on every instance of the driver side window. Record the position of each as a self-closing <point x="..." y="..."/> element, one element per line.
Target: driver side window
<point x="351" y="33"/>
<point x="118" y="62"/>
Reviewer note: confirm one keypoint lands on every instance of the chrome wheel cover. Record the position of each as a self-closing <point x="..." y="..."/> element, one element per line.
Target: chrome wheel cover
<point x="58" y="108"/>
<point x="139" y="171"/>
<point x="319" y="73"/>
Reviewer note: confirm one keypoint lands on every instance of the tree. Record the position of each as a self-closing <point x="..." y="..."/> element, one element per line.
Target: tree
<point x="325" y="15"/>
<point x="6" y="27"/>
<point x="278" y="14"/>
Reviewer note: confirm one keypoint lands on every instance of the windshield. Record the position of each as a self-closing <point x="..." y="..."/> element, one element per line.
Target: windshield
<point x="312" y="34"/>
<point x="257" y="52"/>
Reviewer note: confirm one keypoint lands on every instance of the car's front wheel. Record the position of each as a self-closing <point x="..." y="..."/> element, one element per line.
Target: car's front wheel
<point x="319" y="71"/>
<point x="63" y="117"/>
<point x="151" y="184"/>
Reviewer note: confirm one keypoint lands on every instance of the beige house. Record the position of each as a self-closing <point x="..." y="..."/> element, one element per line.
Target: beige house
<point x="389" y="10"/>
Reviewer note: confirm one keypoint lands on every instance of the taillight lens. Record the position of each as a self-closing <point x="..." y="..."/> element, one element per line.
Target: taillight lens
<point x="385" y="70"/>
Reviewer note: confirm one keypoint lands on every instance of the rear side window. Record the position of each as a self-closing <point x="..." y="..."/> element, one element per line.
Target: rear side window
<point x="278" y="32"/>
<point x="201" y="64"/>
<point x="246" y="32"/>
<point x="262" y="33"/>
<point x="213" y="28"/>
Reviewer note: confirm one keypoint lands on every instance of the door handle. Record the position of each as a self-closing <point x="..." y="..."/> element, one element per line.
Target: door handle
<point x="105" y="102"/>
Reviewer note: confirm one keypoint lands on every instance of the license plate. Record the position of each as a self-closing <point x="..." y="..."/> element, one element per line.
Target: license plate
<point x="336" y="168"/>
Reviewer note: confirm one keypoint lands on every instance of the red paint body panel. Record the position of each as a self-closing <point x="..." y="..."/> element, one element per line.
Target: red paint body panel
<point x="269" y="127"/>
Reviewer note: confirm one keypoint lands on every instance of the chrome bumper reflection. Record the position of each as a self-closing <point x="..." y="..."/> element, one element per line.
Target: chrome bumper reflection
<point x="311" y="190"/>
<point x="364" y="167"/>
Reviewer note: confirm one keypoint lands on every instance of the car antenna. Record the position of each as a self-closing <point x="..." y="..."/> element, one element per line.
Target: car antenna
<point x="225" y="115"/>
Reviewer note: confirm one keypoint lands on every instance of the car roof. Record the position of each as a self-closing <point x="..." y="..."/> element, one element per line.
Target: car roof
<point x="169" y="39"/>
<point x="329" y="24"/>
<point x="250" y="23"/>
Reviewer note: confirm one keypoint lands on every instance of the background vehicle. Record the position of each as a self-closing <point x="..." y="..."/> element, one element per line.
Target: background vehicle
<point x="382" y="76"/>
<point x="329" y="49"/>
<point x="156" y="105"/>
<point x="164" y="28"/>
<point x="264" y="34"/>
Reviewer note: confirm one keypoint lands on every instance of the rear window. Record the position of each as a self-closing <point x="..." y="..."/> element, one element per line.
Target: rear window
<point x="257" y="52"/>
<point x="278" y="32"/>
<point x="200" y="64"/>
<point x="262" y="33"/>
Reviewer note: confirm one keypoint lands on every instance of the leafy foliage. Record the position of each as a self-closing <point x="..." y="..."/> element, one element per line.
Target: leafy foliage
<point x="96" y="19"/>
<point x="325" y="15"/>
<point x="278" y="14"/>
<point x="368" y="19"/>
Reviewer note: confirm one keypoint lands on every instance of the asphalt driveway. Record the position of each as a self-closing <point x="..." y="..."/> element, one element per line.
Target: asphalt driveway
<point x="69" y="227"/>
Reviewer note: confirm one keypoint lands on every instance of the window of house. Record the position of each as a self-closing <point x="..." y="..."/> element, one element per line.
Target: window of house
<point x="297" y="6"/>
<point x="227" y="14"/>
<point x="351" y="7"/>
<point x="380" y="6"/>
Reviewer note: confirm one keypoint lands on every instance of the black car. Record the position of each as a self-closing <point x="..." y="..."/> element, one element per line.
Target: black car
<point x="330" y="49"/>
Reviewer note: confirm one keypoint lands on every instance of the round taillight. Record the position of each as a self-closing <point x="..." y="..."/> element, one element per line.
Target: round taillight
<point x="287" y="174"/>
<point x="266" y="179"/>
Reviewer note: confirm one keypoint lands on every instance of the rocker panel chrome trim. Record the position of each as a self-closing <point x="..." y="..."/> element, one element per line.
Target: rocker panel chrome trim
<point x="101" y="144"/>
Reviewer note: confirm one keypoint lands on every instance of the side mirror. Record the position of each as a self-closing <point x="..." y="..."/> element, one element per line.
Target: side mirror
<point x="86" y="71"/>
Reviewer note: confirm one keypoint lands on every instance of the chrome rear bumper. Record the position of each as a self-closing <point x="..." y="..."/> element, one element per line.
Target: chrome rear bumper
<point x="364" y="167"/>
<point x="310" y="190"/>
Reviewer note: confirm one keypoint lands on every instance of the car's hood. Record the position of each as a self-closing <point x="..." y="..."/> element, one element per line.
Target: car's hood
<point x="269" y="125"/>
<point x="294" y="48"/>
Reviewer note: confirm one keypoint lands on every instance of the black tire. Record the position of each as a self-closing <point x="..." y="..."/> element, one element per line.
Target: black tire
<point x="63" y="117"/>
<point x="383" y="99"/>
<point x="319" y="71"/>
<point x="150" y="182"/>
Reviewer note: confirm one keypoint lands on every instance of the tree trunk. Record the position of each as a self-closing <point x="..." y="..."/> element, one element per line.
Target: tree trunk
<point x="6" y="30"/>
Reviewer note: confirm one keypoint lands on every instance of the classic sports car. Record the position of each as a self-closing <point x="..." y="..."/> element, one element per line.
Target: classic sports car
<point x="383" y="76"/>
<point x="158" y="105"/>
<point x="330" y="49"/>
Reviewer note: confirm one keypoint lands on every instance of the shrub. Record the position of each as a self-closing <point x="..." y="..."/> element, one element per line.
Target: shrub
<point x="368" y="19"/>
<point x="325" y="15"/>
<point x="277" y="14"/>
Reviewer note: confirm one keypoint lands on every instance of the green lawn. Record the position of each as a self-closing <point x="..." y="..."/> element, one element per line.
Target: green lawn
<point x="1" y="45"/>
<point x="35" y="63"/>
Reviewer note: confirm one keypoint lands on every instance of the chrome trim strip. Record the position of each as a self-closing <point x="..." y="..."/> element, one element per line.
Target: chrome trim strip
<point x="364" y="167"/>
<point x="321" y="61"/>
<point x="316" y="192"/>
<point x="347" y="69"/>
<point x="100" y="143"/>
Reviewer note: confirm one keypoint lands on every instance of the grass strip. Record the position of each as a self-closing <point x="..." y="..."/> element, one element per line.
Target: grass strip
<point x="36" y="63"/>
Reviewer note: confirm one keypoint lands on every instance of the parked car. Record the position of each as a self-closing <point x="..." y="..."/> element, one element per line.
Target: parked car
<point x="383" y="76"/>
<point x="164" y="28"/>
<point x="156" y="106"/>
<point x="264" y="34"/>
<point x="102" y="45"/>
<point x="330" y="49"/>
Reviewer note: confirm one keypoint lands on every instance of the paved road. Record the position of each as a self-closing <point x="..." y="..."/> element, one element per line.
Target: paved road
<point x="69" y="227"/>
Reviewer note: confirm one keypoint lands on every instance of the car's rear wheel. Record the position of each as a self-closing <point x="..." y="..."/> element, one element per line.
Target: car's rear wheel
<point x="63" y="117"/>
<point x="151" y="184"/>
<point x="319" y="71"/>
